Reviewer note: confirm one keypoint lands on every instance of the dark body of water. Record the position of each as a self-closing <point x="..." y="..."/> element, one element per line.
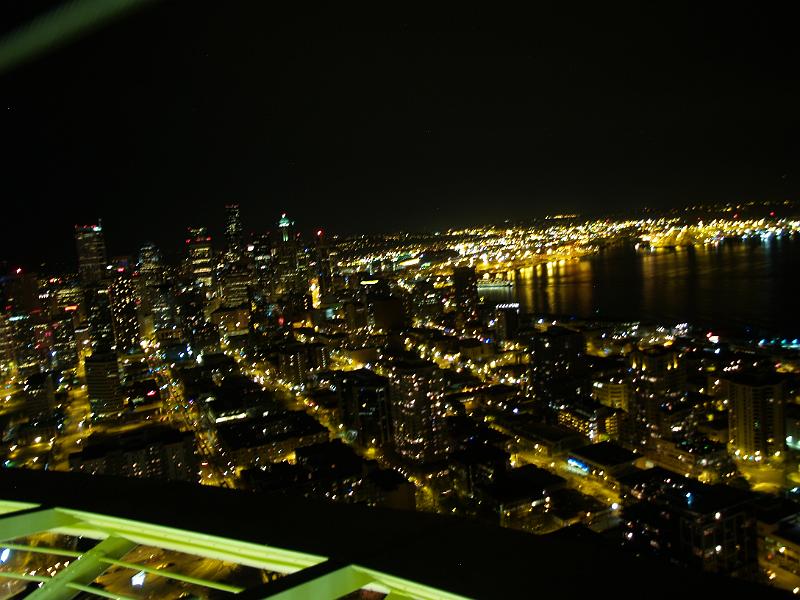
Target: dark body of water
<point x="742" y="287"/>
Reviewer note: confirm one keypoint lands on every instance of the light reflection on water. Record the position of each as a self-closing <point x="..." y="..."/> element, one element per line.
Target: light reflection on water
<point x="734" y="285"/>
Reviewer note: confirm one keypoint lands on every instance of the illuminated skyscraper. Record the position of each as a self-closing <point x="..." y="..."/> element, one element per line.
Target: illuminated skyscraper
<point x="236" y="285"/>
<point x="233" y="232"/>
<point x="150" y="276"/>
<point x="98" y="310"/>
<point x="659" y="379"/>
<point x="262" y="259"/>
<point x="418" y="411"/>
<point x="755" y="414"/>
<point x="200" y="257"/>
<point x="122" y="295"/>
<point x="151" y="265"/>
<point x="166" y="320"/>
<point x="64" y="351"/>
<point x="91" y="247"/>
<point x="28" y="359"/>
<point x="286" y="227"/>
<point x="287" y="265"/>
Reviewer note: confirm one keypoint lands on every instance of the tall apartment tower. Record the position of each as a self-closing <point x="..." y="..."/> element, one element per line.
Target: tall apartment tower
<point x="123" y="303"/>
<point x="755" y="414"/>
<point x="417" y="410"/>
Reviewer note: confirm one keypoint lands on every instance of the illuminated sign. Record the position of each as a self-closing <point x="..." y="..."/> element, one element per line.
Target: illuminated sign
<point x="408" y="263"/>
<point x="581" y="466"/>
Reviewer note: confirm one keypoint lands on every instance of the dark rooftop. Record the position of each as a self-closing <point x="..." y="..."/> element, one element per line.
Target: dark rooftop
<point x="259" y="431"/>
<point x="524" y="483"/>
<point x="566" y="503"/>
<point x="755" y="378"/>
<point x="680" y="492"/>
<point x="478" y="453"/>
<point x="100" y="444"/>
<point x="605" y="453"/>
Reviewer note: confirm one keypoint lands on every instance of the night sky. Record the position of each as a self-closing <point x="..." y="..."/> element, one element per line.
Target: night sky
<point x="379" y="122"/>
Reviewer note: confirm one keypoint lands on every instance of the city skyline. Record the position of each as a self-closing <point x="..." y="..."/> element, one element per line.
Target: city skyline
<point x="469" y="373"/>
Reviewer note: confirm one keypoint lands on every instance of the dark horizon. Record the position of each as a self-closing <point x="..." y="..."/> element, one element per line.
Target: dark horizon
<point x="382" y="123"/>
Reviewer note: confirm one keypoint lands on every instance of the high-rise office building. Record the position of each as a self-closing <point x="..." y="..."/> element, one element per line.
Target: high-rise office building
<point x="755" y="414"/>
<point x="64" y="349"/>
<point x="418" y="411"/>
<point x="98" y="311"/>
<point x="123" y="298"/>
<point x="289" y="259"/>
<point x="286" y="227"/>
<point x="68" y="296"/>
<point x="102" y="383"/>
<point x="150" y="275"/>
<point x="200" y="257"/>
<point x="236" y="280"/>
<point x="151" y="265"/>
<point x="262" y="261"/>
<point x="165" y="313"/>
<point x="233" y="232"/>
<point x="91" y="247"/>
<point x="28" y="358"/>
